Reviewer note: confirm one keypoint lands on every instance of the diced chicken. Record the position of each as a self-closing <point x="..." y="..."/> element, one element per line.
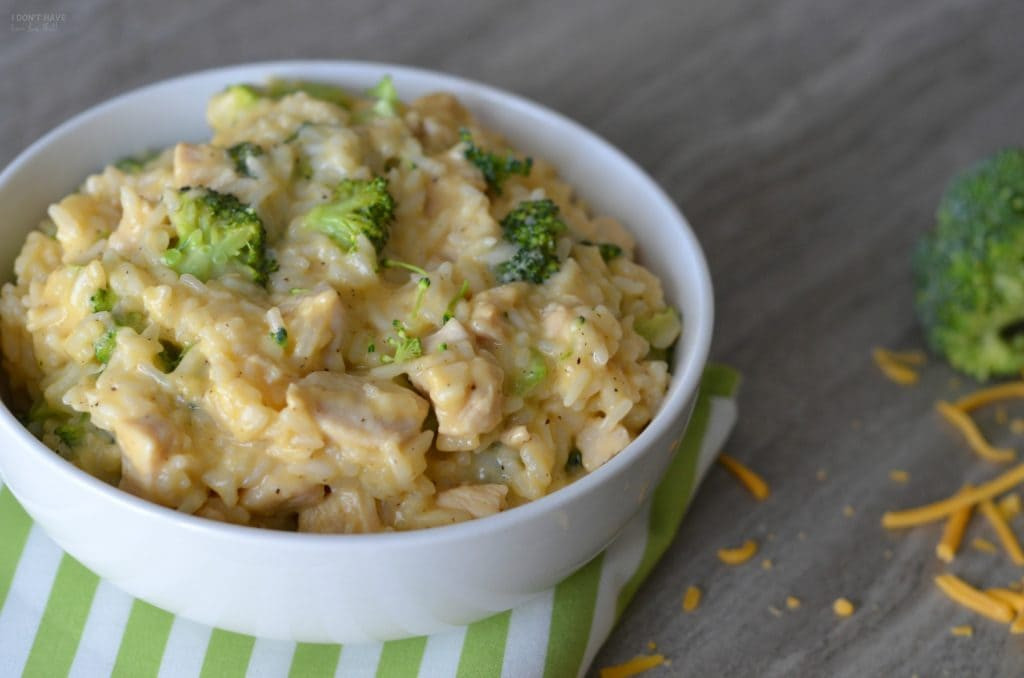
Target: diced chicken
<point x="355" y="412"/>
<point x="598" y="443"/>
<point x="315" y="323"/>
<point x="466" y="395"/>
<point x="487" y="311"/>
<point x="347" y="509"/>
<point x="146" y="443"/>
<point x="201" y="166"/>
<point x="477" y="500"/>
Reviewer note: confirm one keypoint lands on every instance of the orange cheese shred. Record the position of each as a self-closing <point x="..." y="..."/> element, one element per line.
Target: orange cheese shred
<point x="973" y="599"/>
<point x="940" y="509"/>
<point x="635" y="666"/>
<point x="740" y="554"/>
<point x="1011" y="598"/>
<point x="953" y="533"/>
<point x="691" y="599"/>
<point x="754" y="483"/>
<point x="972" y="435"/>
<point x="896" y="367"/>
<point x="1003" y="531"/>
<point x="986" y="396"/>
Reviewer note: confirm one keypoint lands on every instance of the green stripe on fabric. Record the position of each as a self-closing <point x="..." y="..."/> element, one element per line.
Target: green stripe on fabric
<point x="572" y="615"/>
<point x="313" y="660"/>
<point x="719" y="380"/>
<point x="60" y="629"/>
<point x="14" y="528"/>
<point x="670" y="500"/>
<point x="483" y="649"/>
<point x="401" y="658"/>
<point x="142" y="645"/>
<point x="227" y="655"/>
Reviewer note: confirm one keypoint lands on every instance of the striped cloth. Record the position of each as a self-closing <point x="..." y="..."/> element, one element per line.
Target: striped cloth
<point x="59" y="619"/>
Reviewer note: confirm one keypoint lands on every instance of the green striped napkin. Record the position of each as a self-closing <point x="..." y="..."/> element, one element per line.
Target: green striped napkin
<point x="59" y="619"/>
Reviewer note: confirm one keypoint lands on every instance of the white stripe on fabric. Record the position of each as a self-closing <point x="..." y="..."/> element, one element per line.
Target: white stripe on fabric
<point x="185" y="649"/>
<point x="621" y="559"/>
<point x="359" y="661"/>
<point x="26" y="600"/>
<point x="101" y="637"/>
<point x="270" y="658"/>
<point x="442" y="653"/>
<point x="527" y="643"/>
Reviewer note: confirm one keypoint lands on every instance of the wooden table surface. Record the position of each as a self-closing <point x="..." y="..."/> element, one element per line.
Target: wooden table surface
<point x="808" y="143"/>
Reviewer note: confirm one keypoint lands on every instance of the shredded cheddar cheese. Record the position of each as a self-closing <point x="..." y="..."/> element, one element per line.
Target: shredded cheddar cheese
<point x="964" y="631"/>
<point x="953" y="532"/>
<point x="940" y="509"/>
<point x="978" y="601"/>
<point x="848" y="511"/>
<point x="842" y="607"/>
<point x="898" y="476"/>
<point x="635" y="666"/>
<point x="766" y="564"/>
<point x="792" y="602"/>
<point x="972" y="435"/>
<point x="983" y="545"/>
<point x="1011" y="598"/>
<point x="754" y="483"/>
<point x="986" y="396"/>
<point x="1003" y="531"/>
<point x="897" y="366"/>
<point x="691" y="600"/>
<point x="1010" y="506"/>
<point x="740" y="554"/>
<point x="1017" y="627"/>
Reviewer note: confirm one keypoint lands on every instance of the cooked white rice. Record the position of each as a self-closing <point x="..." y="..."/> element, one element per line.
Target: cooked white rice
<point x="321" y="434"/>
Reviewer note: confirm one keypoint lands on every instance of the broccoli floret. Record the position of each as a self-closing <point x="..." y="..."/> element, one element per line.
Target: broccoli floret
<point x="406" y="347"/>
<point x="102" y="300"/>
<point x="103" y="348"/>
<point x="532" y="374"/>
<point x="533" y="225"/>
<point x="218" y="235"/>
<point x="133" y="164"/>
<point x="608" y="250"/>
<point x="170" y="357"/>
<point x="228" y="106"/>
<point x="280" y="336"/>
<point x="449" y="311"/>
<point x="660" y="329"/>
<point x="494" y="168"/>
<point x="969" y="271"/>
<point x="359" y="208"/>
<point x="72" y="431"/>
<point x="575" y="461"/>
<point x="387" y="104"/>
<point x="240" y="154"/>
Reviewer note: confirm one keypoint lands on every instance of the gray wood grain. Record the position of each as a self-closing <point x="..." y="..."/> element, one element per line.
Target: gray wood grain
<point x="807" y="142"/>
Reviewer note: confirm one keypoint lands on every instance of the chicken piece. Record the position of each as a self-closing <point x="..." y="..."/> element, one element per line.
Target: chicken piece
<point x="466" y="395"/>
<point x="598" y="443"/>
<point x="354" y="412"/>
<point x="315" y="323"/>
<point x="201" y="166"/>
<point x="146" y="443"/>
<point x="348" y="509"/>
<point x="477" y="500"/>
<point x="487" y="311"/>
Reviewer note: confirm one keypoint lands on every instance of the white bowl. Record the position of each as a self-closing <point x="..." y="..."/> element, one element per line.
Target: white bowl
<point x="350" y="588"/>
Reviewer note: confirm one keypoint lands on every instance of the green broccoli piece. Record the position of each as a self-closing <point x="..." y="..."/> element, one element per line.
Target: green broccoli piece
<point x="660" y="329"/>
<point x="449" y="311"/>
<point x="228" y="106"/>
<point x="531" y="375"/>
<point x="280" y="336"/>
<point x="406" y="347"/>
<point x="218" y="235"/>
<point x="421" y="291"/>
<point x="102" y="300"/>
<point x="387" y="104"/>
<point x="534" y="225"/>
<point x="133" y="164"/>
<point x="170" y="357"/>
<point x="358" y="208"/>
<point x="575" y="461"/>
<point x="72" y="431"/>
<point x="240" y="154"/>
<point x="103" y="348"/>
<point x="494" y="168"/>
<point x="608" y="250"/>
<point x="969" y="271"/>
